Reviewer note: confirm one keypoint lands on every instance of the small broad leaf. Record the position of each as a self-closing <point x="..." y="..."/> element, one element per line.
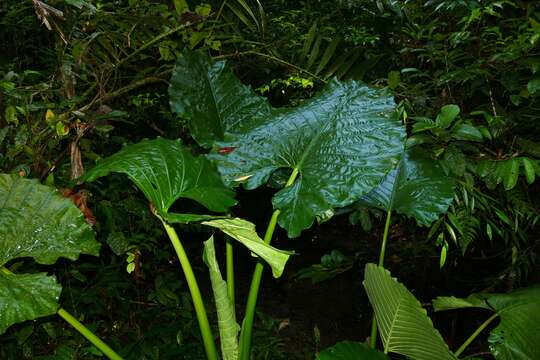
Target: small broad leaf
<point x="26" y="297"/>
<point x="467" y="132"/>
<point x="510" y="172"/>
<point x="403" y="324"/>
<point x="418" y="188"/>
<point x="341" y="142"/>
<point x="36" y="221"/>
<point x="228" y="327"/>
<point x="164" y="171"/>
<point x="518" y="334"/>
<point x="533" y="86"/>
<point x="244" y="232"/>
<point x="351" y="350"/>
<point x="447" y="115"/>
<point x="528" y="168"/>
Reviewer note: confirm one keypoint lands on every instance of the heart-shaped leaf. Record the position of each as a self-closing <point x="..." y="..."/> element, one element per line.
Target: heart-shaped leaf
<point x="37" y="222"/>
<point x="244" y="232"/>
<point x="164" y="171"/>
<point x="342" y="142"/>
<point x="418" y="188"/>
<point x="26" y="297"/>
<point x="403" y="324"/>
<point x="518" y="334"/>
<point x="211" y="99"/>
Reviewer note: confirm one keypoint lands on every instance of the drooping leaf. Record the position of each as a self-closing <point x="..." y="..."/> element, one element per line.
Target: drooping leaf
<point x="228" y="327"/>
<point x="211" y="99"/>
<point x="342" y="142"/>
<point x="518" y="334"/>
<point x="244" y="232"/>
<point x="418" y="188"/>
<point x="451" y="302"/>
<point x="165" y="171"/>
<point x="175" y="218"/>
<point x="26" y="297"/>
<point x="37" y="222"/>
<point x="403" y="324"/>
<point x="349" y="350"/>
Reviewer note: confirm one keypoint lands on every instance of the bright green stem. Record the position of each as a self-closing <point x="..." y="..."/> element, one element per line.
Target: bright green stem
<point x="204" y="325"/>
<point x="230" y="269"/>
<point x="247" y="326"/>
<point x="89" y="335"/>
<point x="475" y="334"/>
<point x="373" y="337"/>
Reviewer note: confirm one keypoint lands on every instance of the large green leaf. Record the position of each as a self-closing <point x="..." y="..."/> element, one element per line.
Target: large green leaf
<point x="164" y="171"/>
<point x="403" y="324"/>
<point x="244" y="232"/>
<point x="342" y="142"/>
<point x="37" y="222"/>
<point x="26" y="297"/>
<point x="418" y="188"/>
<point x="228" y="327"/>
<point x="211" y="99"/>
<point x="518" y="334"/>
<point x="351" y="350"/>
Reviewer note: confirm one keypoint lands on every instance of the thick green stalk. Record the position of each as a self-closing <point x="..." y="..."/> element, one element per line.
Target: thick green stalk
<point x="230" y="269"/>
<point x="89" y="335"/>
<point x="373" y="337"/>
<point x="475" y="334"/>
<point x="247" y="326"/>
<point x="204" y="325"/>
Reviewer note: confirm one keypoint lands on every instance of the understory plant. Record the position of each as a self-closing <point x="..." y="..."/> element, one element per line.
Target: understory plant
<point x="332" y="150"/>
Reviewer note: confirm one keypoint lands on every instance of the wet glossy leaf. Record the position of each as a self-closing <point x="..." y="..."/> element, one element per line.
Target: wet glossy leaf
<point x="211" y="99"/>
<point x="518" y="334"/>
<point x="342" y="142"/>
<point x="349" y="350"/>
<point x="418" y="188"/>
<point x="403" y="324"/>
<point x="244" y="232"/>
<point x="228" y="327"/>
<point x="26" y="297"/>
<point x="37" y="222"/>
<point x="165" y="171"/>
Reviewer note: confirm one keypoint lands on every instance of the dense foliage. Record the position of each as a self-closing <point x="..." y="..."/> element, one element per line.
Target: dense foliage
<point x="438" y="159"/>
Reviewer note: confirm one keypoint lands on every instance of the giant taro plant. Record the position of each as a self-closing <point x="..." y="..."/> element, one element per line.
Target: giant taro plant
<point x="333" y="149"/>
